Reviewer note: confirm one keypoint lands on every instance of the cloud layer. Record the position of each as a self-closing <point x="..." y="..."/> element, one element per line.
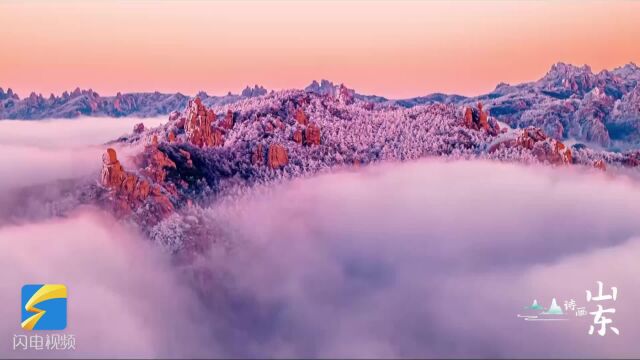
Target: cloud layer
<point x="432" y="259"/>
<point x="46" y="160"/>
<point x="37" y="152"/>
<point x="124" y="298"/>
<point x="422" y="259"/>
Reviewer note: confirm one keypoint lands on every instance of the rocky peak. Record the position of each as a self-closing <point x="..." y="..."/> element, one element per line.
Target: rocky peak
<point x="12" y="95"/>
<point x="35" y="99"/>
<point x="477" y="119"/>
<point x="227" y="122"/>
<point x="8" y="95"/>
<point x="257" y="157"/>
<point x="563" y="80"/>
<point x="529" y="137"/>
<point x="301" y="117"/>
<point x="128" y="192"/>
<point x="202" y="95"/>
<point x="545" y="149"/>
<point x="565" y="70"/>
<point x="112" y="172"/>
<point x="297" y="136"/>
<point x="312" y="134"/>
<point x="346" y="95"/>
<point x="198" y="125"/>
<point x="630" y="70"/>
<point x="627" y="109"/>
<point x="327" y="88"/>
<point x="154" y="162"/>
<point x="253" y="92"/>
<point x="277" y="156"/>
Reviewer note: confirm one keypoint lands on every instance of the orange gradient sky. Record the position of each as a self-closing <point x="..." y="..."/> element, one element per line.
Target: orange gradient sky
<point x="394" y="48"/>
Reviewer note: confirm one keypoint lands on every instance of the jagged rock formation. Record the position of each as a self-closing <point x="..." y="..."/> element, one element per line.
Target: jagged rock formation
<point x="9" y="95"/>
<point x="138" y="128"/>
<point x="545" y="149"/>
<point x="253" y="92"/>
<point x="128" y="192"/>
<point x="626" y="117"/>
<point x="312" y="134"/>
<point x="154" y="162"/>
<point x="339" y="92"/>
<point x="297" y="135"/>
<point x="301" y="117"/>
<point x="573" y="102"/>
<point x="479" y="119"/>
<point x="112" y="172"/>
<point x="198" y="125"/>
<point x="227" y="122"/>
<point x="258" y="155"/>
<point x="277" y="156"/>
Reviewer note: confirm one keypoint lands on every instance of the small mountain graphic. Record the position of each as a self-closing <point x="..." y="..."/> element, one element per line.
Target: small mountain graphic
<point x="554" y="309"/>
<point x="534" y="306"/>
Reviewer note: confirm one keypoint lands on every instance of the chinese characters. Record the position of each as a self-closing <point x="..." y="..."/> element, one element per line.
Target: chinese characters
<point x="602" y="321"/>
<point x="599" y="317"/>
<point x="44" y="342"/>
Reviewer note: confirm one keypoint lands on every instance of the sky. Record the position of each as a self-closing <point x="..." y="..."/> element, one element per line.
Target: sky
<point x="390" y="48"/>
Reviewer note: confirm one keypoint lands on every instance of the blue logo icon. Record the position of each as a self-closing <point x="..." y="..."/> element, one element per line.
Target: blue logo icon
<point x="44" y="307"/>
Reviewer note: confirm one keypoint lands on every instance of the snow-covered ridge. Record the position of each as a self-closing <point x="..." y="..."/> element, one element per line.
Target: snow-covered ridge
<point x="205" y="153"/>
<point x="569" y="102"/>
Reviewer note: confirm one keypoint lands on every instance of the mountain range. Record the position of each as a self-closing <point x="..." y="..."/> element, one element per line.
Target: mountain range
<point x="569" y="102"/>
<point x="206" y="153"/>
<point x="89" y="103"/>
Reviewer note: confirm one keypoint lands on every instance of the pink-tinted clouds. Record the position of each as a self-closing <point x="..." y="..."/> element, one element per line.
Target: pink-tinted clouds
<point x="432" y="259"/>
<point x="124" y="298"/>
<point x="422" y="259"/>
<point x="37" y="152"/>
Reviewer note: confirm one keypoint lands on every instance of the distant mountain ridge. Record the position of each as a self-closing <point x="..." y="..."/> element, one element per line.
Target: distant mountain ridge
<point x="568" y="102"/>
<point x="90" y="103"/>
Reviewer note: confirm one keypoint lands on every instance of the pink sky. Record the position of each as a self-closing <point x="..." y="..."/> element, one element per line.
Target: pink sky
<point x="395" y="49"/>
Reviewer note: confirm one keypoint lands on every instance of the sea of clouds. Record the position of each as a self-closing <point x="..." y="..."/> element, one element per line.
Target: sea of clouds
<point x="420" y="259"/>
<point x="39" y="151"/>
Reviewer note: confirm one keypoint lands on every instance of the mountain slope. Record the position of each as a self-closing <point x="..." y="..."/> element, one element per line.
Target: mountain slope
<point x="207" y="153"/>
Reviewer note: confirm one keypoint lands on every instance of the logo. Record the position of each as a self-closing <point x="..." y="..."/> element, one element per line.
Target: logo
<point x="44" y="307"/>
<point x="602" y="317"/>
